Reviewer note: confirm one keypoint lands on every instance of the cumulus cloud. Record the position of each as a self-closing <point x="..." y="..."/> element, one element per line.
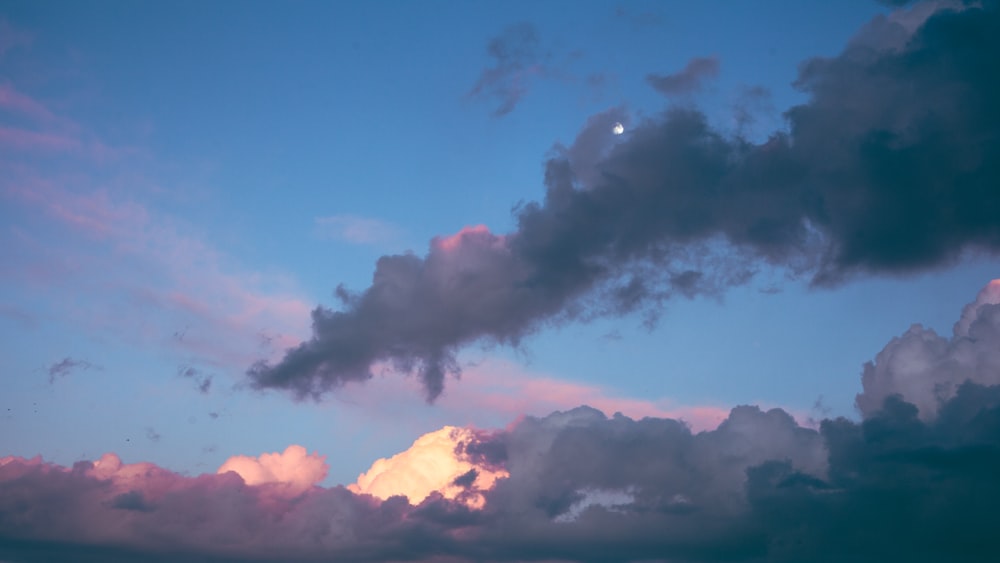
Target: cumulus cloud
<point x="926" y="369"/>
<point x="890" y="167"/>
<point x="295" y="469"/>
<point x="433" y="464"/>
<point x="581" y="487"/>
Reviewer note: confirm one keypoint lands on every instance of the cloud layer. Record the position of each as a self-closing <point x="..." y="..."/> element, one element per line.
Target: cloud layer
<point x="915" y="480"/>
<point x="891" y="167"/>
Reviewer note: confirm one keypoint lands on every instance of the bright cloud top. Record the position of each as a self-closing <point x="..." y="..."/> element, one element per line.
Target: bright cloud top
<point x="434" y="463"/>
<point x="295" y="468"/>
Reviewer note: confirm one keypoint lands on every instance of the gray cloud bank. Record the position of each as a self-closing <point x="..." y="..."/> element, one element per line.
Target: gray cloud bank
<point x="914" y="480"/>
<point x="891" y="167"/>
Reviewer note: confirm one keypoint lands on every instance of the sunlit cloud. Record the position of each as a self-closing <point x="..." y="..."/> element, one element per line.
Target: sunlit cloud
<point x="295" y="469"/>
<point x="434" y="463"/>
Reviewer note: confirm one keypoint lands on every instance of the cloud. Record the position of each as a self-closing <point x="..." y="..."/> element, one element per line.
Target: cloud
<point x="202" y="382"/>
<point x="573" y="485"/>
<point x="517" y="57"/>
<point x="502" y="390"/>
<point x="295" y="469"/>
<point x="433" y="464"/>
<point x="927" y="370"/>
<point x="889" y="168"/>
<point x="11" y="37"/>
<point x="688" y="80"/>
<point x="15" y="102"/>
<point x="65" y="366"/>
<point x="152" y="435"/>
<point x="145" y="266"/>
<point x="357" y="230"/>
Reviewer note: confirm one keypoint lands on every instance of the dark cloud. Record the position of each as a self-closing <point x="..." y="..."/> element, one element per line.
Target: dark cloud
<point x="517" y="57"/>
<point x="688" y="80"/>
<point x="891" y="167"/>
<point x="582" y="487"/>
<point x="67" y="365"/>
<point x="907" y="482"/>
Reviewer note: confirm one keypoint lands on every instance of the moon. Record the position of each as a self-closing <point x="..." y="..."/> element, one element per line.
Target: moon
<point x="617" y="128"/>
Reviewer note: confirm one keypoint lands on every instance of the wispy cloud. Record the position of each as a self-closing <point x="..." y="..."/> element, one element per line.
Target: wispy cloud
<point x="688" y="80"/>
<point x="12" y="38"/>
<point x="67" y="365"/>
<point x="16" y="102"/>
<point x="517" y="58"/>
<point x="492" y="392"/>
<point x="357" y="230"/>
<point x="145" y="259"/>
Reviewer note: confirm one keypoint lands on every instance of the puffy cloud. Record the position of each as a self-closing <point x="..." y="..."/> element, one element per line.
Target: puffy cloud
<point x="927" y="369"/>
<point x="435" y="463"/>
<point x="889" y="167"/>
<point x="295" y="469"/>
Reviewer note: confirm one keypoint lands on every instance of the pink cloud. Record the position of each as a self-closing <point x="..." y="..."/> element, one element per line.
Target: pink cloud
<point x="143" y="275"/>
<point x="15" y="102"/>
<point x="295" y="469"/>
<point x="495" y="392"/>
<point x="501" y="387"/>
<point x="25" y="140"/>
<point x="468" y="489"/>
<point x="455" y="241"/>
<point x="357" y="230"/>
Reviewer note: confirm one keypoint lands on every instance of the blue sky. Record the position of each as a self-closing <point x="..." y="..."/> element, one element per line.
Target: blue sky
<point x="184" y="182"/>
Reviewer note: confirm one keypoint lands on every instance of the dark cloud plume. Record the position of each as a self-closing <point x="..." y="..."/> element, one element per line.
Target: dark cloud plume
<point x="688" y="80"/>
<point x="892" y="166"/>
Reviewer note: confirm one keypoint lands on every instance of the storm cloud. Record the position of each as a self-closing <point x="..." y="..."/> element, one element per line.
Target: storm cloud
<point x="891" y="167"/>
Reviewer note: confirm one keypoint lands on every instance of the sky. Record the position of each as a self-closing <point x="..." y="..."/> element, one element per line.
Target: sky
<point x="521" y="281"/>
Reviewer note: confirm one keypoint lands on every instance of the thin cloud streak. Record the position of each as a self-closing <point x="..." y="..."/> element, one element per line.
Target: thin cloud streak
<point x="128" y="257"/>
<point x="357" y="230"/>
